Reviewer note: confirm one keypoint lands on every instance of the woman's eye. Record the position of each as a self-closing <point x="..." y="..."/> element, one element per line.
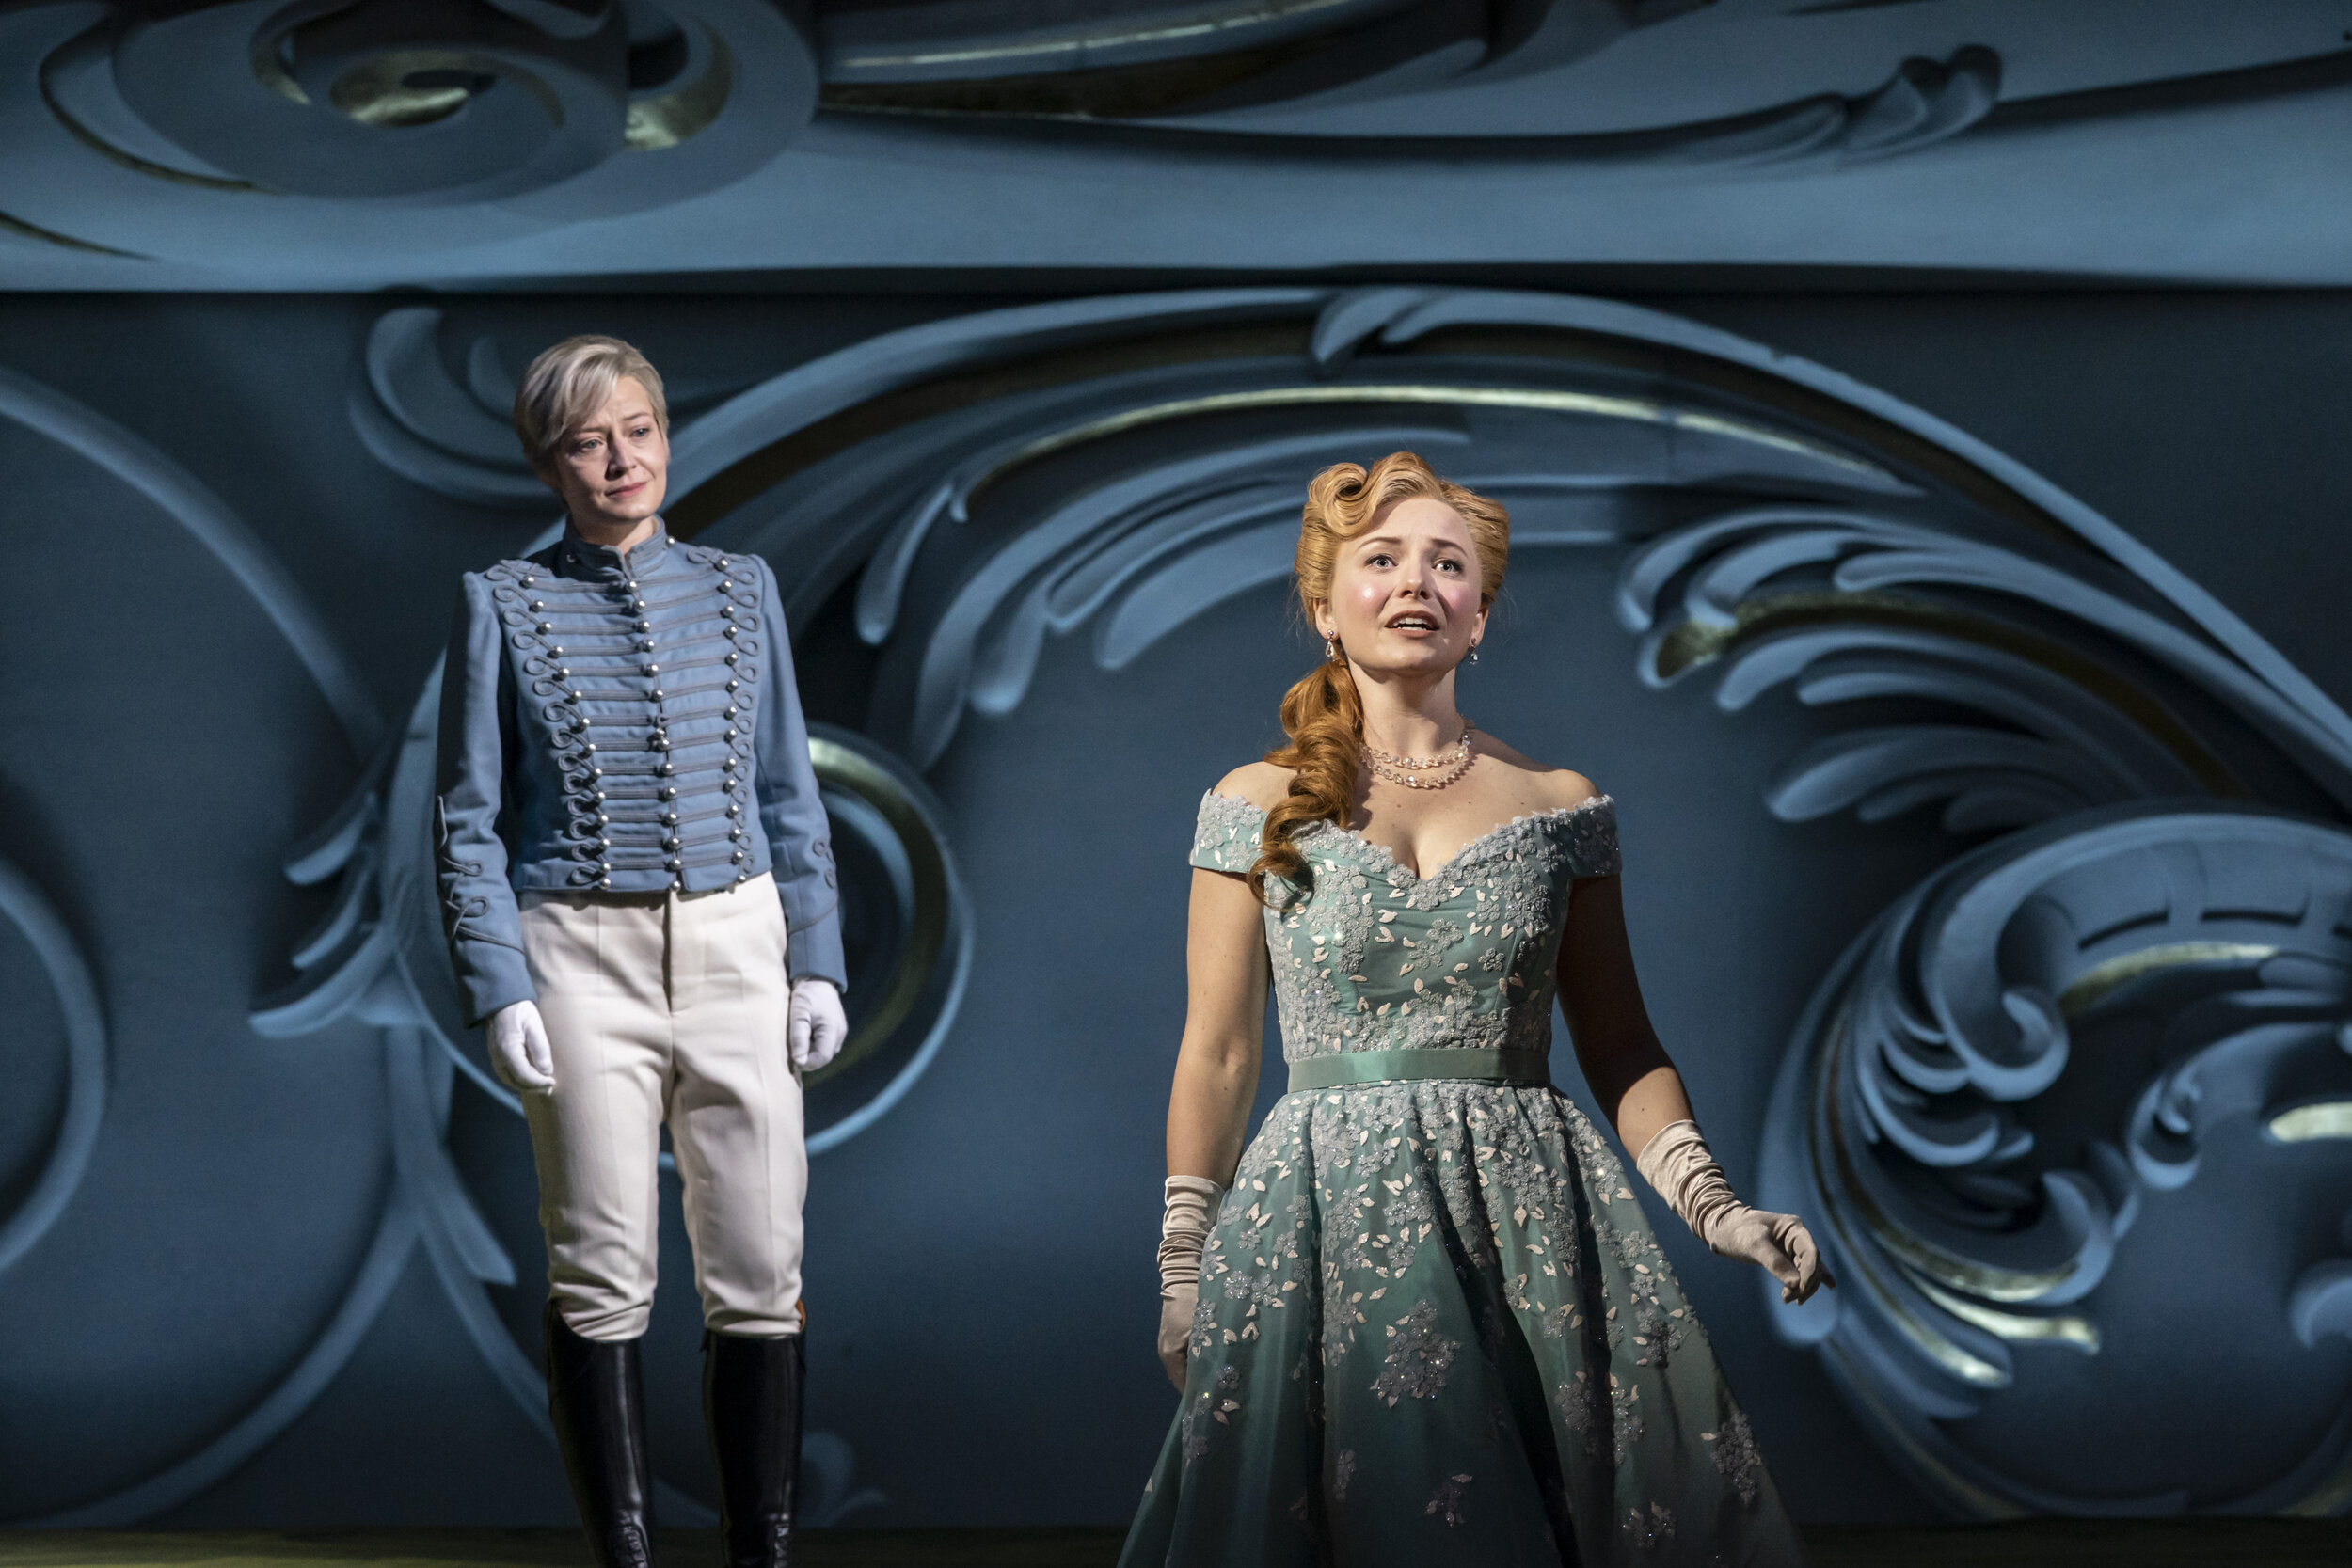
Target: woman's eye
<point x="1378" y="561"/>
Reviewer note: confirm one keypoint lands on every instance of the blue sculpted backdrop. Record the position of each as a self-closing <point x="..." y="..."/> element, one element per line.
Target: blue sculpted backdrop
<point x="1965" y="685"/>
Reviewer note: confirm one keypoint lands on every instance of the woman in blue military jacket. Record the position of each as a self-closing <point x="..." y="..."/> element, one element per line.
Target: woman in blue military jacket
<point x="640" y="901"/>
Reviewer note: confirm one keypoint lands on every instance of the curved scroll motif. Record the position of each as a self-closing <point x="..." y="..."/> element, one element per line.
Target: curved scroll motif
<point x="416" y="420"/>
<point x="189" y="506"/>
<point x="2026" y="664"/>
<point x="1956" y="1106"/>
<point x="985" y="487"/>
<point x="1213" y="65"/>
<point x="374" y="100"/>
<point x="1847" y="605"/>
<point x="49" y="1188"/>
<point x="2188" y="967"/>
<point x="907" y="928"/>
<point x="277" y="121"/>
<point x="369" y="1287"/>
<point x="208" y="521"/>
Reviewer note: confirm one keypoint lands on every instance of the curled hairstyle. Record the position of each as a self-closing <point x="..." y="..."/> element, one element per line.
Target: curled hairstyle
<point x="1323" y="714"/>
<point x="569" y="382"/>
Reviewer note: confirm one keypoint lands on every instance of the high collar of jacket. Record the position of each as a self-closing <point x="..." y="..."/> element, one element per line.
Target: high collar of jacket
<point x="576" y="556"/>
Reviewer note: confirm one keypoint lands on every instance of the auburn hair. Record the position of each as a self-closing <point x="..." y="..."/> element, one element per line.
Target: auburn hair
<point x="1323" y="714"/>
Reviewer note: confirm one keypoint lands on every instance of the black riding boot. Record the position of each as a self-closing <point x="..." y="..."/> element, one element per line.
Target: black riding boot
<point x="596" y="1395"/>
<point x="752" y="1403"/>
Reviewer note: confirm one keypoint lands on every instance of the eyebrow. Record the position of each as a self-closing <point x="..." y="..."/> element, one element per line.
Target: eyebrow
<point x="1396" y="541"/>
<point x="643" y="416"/>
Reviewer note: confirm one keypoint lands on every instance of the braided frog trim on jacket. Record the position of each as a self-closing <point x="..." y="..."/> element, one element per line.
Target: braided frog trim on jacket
<point x="645" y="699"/>
<point x="627" y="722"/>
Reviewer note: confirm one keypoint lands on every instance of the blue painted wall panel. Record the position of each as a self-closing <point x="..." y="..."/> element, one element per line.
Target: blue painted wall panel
<point x="981" y="1267"/>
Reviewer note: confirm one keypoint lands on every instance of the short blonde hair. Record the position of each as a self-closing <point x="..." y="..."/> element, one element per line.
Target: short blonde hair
<point x="569" y="381"/>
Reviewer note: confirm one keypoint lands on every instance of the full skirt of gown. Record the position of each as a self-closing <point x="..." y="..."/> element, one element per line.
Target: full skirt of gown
<point x="1435" y="1328"/>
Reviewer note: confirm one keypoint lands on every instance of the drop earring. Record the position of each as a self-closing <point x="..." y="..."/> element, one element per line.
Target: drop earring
<point x="1473" y="653"/>
<point x="1330" y="650"/>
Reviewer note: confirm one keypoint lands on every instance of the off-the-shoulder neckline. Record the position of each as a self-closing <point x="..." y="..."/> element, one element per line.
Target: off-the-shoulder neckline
<point x="1556" y="813"/>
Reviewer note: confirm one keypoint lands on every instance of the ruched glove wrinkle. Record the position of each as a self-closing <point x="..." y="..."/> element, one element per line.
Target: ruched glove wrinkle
<point x="1191" y="1204"/>
<point x="1677" y="1164"/>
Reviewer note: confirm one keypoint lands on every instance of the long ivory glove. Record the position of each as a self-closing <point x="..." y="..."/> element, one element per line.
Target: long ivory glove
<point x="1192" y="1202"/>
<point x="518" y="1049"/>
<point x="815" y="1024"/>
<point x="1677" y="1164"/>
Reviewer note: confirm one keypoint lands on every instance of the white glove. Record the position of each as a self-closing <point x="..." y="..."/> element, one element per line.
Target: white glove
<point x="1677" y="1164"/>
<point x="816" y="1025"/>
<point x="518" y="1049"/>
<point x="1191" y="1210"/>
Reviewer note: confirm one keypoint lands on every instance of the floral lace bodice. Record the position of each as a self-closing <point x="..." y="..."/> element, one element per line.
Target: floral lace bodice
<point x="1372" y="957"/>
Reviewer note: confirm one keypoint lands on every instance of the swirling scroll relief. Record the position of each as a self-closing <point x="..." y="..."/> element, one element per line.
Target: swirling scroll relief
<point x="147" y="479"/>
<point x="2024" y="663"/>
<point x="164" y="126"/>
<point x="40" y="1190"/>
<point x="982" y="487"/>
<point x="2034" y="1052"/>
<point x="2022" y="1066"/>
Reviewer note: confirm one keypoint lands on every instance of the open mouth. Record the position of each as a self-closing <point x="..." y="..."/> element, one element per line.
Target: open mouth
<point x="1413" y="623"/>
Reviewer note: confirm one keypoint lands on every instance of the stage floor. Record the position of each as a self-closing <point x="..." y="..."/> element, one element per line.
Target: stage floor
<point x="2032" y="1544"/>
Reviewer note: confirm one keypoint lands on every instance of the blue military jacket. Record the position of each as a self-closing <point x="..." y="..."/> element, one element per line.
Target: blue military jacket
<point x="622" y="723"/>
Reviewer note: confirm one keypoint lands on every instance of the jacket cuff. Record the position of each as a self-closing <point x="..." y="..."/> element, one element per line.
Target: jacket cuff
<point x="492" y="977"/>
<point x="813" y="951"/>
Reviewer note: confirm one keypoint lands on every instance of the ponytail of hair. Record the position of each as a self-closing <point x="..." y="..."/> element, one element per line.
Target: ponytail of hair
<point x="1324" y="717"/>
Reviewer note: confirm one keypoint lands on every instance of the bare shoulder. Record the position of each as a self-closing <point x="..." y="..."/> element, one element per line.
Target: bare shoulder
<point x="1552" y="789"/>
<point x="1261" y="784"/>
<point x="1568" y="788"/>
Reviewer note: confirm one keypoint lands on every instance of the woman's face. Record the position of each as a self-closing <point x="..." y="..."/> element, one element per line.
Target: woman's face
<point x="612" y="467"/>
<point x="1404" y="594"/>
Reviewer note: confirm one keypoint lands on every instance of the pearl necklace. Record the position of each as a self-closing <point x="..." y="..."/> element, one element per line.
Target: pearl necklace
<point x="1455" y="759"/>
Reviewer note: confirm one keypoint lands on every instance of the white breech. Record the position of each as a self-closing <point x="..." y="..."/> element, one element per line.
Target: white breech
<point x="667" y="1007"/>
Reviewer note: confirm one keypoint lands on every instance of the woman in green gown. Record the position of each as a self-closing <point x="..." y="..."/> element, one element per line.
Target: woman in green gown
<point x="1420" y="1319"/>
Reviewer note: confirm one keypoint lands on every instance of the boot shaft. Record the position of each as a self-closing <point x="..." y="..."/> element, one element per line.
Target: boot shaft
<point x="751" y="1401"/>
<point x="597" y="1399"/>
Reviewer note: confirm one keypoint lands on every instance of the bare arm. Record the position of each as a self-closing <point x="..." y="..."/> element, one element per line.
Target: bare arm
<point x="1630" y="1074"/>
<point x="1638" y="1089"/>
<point x="1217" y="1064"/>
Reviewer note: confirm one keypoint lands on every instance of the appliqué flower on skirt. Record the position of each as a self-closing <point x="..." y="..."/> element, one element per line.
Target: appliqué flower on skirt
<point x="1446" y="1502"/>
<point x="1418" y="1356"/>
<point x="1584" y="1409"/>
<point x="1629" y="1421"/>
<point x="1736" y="1456"/>
<point x="1653" y="1529"/>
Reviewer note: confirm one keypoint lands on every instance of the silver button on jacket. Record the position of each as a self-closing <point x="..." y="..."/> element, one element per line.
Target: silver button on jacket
<point x="623" y="723"/>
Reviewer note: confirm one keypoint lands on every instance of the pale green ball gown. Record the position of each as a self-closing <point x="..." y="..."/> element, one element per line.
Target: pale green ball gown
<point x="1434" y="1325"/>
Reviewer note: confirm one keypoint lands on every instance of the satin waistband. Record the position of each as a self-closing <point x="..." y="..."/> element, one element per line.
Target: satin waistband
<point x="1532" y="1068"/>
